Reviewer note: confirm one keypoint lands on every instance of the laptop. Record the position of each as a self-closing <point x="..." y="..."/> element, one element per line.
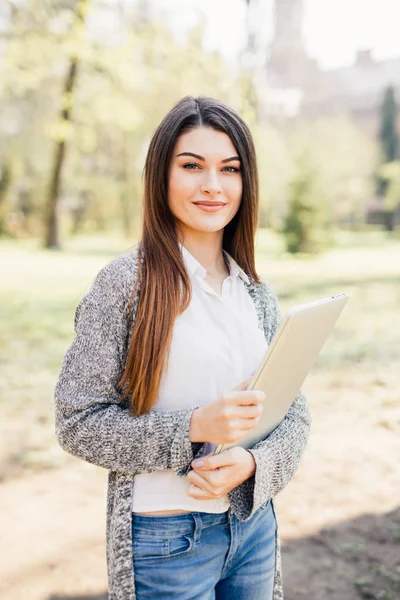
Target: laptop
<point x="288" y="360"/>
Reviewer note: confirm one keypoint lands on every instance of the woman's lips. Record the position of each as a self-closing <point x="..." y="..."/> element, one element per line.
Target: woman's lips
<point x="209" y="207"/>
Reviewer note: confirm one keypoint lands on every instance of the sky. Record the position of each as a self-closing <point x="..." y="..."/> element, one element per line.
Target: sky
<point x="333" y="29"/>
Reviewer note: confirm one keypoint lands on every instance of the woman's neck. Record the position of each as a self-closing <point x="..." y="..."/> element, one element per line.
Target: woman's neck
<point x="209" y="254"/>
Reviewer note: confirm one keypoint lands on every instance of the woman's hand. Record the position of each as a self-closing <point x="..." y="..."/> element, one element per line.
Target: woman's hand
<point x="230" y="418"/>
<point x="221" y="473"/>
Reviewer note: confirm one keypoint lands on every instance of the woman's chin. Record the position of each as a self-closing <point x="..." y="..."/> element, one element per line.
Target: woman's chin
<point x="207" y="224"/>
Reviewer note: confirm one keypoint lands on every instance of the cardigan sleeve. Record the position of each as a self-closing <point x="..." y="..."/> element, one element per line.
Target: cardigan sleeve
<point x="91" y="421"/>
<point x="278" y="456"/>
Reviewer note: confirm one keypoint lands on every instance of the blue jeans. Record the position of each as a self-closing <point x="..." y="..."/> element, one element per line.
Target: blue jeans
<point x="204" y="556"/>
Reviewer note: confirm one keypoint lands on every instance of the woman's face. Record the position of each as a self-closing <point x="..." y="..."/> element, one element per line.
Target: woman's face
<point x="205" y="168"/>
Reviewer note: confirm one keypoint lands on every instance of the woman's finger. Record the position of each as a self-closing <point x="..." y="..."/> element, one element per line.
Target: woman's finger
<point x="198" y="493"/>
<point x="200" y="481"/>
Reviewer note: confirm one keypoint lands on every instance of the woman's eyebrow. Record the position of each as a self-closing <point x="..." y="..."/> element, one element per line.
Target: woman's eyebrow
<point x="202" y="157"/>
<point x="231" y="158"/>
<point x="191" y="154"/>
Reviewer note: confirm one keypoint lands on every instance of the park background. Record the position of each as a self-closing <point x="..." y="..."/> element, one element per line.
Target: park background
<point x="83" y="84"/>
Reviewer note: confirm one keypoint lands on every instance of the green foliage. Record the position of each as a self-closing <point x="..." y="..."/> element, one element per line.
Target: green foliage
<point x="304" y="224"/>
<point x="345" y="159"/>
<point x="340" y="152"/>
<point x="275" y="168"/>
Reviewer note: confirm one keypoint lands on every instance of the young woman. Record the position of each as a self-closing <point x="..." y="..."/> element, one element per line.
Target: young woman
<point x="166" y="341"/>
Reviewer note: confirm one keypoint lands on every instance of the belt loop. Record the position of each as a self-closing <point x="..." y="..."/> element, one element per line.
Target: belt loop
<point x="197" y="526"/>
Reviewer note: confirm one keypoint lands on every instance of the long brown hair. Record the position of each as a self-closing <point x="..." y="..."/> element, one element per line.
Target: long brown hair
<point x="163" y="283"/>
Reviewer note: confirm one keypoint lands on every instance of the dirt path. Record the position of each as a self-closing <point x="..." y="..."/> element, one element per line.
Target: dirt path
<point x="339" y="517"/>
<point x="53" y="542"/>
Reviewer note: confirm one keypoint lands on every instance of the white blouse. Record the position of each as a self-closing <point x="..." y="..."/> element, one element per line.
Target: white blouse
<point x="216" y="344"/>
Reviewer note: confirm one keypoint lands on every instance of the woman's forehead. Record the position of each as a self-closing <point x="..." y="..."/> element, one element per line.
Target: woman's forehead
<point x="206" y="142"/>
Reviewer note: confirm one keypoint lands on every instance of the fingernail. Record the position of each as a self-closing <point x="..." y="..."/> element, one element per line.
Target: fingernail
<point x="260" y="395"/>
<point x="198" y="463"/>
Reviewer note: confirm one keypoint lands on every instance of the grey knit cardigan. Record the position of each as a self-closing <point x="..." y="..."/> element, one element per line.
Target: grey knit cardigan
<point x="93" y="423"/>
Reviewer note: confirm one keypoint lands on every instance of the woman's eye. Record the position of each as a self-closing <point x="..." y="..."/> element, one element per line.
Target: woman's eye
<point x="195" y="166"/>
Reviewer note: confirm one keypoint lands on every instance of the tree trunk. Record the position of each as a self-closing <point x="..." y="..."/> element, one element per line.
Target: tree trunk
<point x="52" y="233"/>
<point x="389" y="220"/>
<point x="5" y="184"/>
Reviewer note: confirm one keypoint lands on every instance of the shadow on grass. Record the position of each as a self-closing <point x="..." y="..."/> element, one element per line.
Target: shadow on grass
<point x="353" y="560"/>
<point x="357" y="559"/>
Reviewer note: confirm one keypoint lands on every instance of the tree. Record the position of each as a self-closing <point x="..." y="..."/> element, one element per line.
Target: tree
<point x="78" y="111"/>
<point x="65" y="117"/>
<point x="5" y="182"/>
<point x="387" y="135"/>
<point x="345" y="159"/>
<point x="304" y="226"/>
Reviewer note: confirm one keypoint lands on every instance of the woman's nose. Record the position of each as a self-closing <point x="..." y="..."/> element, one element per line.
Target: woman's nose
<point x="210" y="183"/>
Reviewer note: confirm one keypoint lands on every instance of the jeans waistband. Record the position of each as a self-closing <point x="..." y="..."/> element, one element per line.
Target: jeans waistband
<point x="183" y="520"/>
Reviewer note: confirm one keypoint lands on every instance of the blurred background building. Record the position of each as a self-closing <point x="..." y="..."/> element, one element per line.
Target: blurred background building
<point x="296" y="85"/>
